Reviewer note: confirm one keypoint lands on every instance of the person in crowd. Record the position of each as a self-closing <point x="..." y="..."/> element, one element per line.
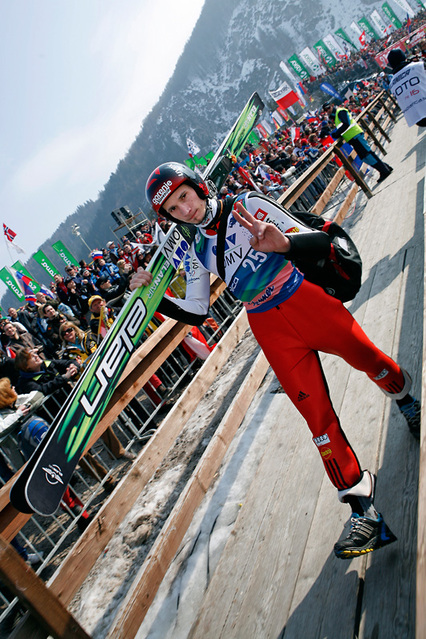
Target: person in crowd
<point x="107" y="269"/>
<point x="13" y="340"/>
<point x="47" y="377"/>
<point x="53" y="320"/>
<point x="408" y="85"/>
<point x="101" y="318"/>
<point x="22" y="319"/>
<point x="114" y="294"/>
<point x="76" y="344"/>
<point x="276" y="296"/>
<point x="351" y="132"/>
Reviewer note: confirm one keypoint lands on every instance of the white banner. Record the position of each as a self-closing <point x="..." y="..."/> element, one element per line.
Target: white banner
<point x="403" y="4"/>
<point x="311" y="61"/>
<point x="289" y="73"/>
<point x="282" y="91"/>
<point x="355" y="28"/>
<point x="334" y="46"/>
<point x="379" y="25"/>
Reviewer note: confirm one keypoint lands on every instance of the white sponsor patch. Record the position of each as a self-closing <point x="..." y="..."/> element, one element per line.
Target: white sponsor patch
<point x="321" y="440"/>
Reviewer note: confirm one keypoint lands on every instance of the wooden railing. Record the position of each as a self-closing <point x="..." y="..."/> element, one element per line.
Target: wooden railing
<point x="53" y="617"/>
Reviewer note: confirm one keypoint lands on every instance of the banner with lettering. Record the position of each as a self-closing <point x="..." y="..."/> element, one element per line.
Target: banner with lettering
<point x="324" y="54"/>
<point x="311" y="61"/>
<point x="298" y="67"/>
<point x="45" y="263"/>
<point x="367" y="27"/>
<point x="11" y="283"/>
<point x="65" y="254"/>
<point x="390" y="13"/>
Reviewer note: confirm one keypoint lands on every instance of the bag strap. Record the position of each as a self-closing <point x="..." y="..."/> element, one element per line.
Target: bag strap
<point x="226" y="208"/>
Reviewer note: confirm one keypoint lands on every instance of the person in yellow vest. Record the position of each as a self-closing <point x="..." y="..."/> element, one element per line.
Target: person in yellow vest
<point x="353" y="134"/>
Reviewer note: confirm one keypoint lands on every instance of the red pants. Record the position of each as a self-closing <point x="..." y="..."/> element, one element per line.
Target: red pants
<point x="291" y="335"/>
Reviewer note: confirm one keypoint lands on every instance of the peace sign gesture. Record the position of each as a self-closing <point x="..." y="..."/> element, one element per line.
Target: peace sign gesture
<point x="266" y="237"/>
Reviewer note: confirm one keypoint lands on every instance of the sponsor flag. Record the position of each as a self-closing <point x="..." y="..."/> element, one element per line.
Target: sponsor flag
<point x="11" y="283"/>
<point x="193" y="148"/>
<point x="324" y="54"/>
<point x="341" y="33"/>
<point x="405" y="7"/>
<point x="298" y="67"/>
<point x="367" y="28"/>
<point x="25" y="282"/>
<point x="45" y="263"/>
<point x="65" y="254"/>
<point x="378" y="22"/>
<point x="311" y="61"/>
<point x="390" y="13"/>
<point x="284" y="96"/>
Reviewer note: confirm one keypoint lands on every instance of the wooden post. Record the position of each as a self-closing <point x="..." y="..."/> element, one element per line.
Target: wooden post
<point x="372" y="135"/>
<point x="379" y="126"/>
<point x="31" y="590"/>
<point x="357" y="177"/>
<point x="387" y="109"/>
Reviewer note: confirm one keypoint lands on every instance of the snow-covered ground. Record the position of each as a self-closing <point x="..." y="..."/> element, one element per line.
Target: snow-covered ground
<point x="173" y="610"/>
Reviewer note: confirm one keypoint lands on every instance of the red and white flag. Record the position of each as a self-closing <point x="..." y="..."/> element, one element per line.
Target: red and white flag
<point x="10" y="237"/>
<point x="362" y="39"/>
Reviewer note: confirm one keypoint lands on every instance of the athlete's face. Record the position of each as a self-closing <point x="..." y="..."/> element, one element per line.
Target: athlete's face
<point x="185" y="205"/>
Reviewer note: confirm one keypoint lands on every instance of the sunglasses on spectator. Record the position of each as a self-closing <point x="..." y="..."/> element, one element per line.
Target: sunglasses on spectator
<point x="67" y="330"/>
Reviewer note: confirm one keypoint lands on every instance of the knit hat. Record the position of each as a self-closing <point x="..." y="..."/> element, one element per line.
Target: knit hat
<point x="93" y="298"/>
<point x="396" y="57"/>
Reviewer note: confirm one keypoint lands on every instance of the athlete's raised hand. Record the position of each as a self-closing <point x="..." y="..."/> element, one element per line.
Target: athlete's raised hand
<point x="266" y="237"/>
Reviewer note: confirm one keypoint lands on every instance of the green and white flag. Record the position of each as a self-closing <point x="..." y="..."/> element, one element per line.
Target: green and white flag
<point x="11" y="283"/>
<point x="366" y="26"/>
<point x="341" y="33"/>
<point x="390" y="13"/>
<point x="44" y="261"/>
<point x="324" y="54"/>
<point x="298" y="67"/>
<point x="65" y="254"/>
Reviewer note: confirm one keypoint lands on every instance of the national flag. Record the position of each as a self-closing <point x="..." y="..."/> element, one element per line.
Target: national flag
<point x="295" y="133"/>
<point x="193" y="148"/>
<point x="301" y="87"/>
<point x="46" y="291"/>
<point x="97" y="255"/>
<point x="25" y="281"/>
<point x="362" y="39"/>
<point x="408" y="23"/>
<point x="10" y="235"/>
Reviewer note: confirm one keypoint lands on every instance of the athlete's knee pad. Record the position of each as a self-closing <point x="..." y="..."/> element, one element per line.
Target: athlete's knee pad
<point x="393" y="388"/>
<point x="338" y="457"/>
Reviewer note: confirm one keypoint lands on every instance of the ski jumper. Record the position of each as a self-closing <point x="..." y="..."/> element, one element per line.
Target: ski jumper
<point x="280" y="304"/>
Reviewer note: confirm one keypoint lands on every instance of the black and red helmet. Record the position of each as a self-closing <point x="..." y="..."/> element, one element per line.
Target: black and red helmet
<point x="166" y="178"/>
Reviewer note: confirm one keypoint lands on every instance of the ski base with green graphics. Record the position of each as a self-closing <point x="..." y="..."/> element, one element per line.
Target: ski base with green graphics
<point x="42" y="482"/>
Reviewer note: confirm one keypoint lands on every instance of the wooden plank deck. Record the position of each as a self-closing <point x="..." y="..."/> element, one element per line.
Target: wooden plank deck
<point x="277" y="575"/>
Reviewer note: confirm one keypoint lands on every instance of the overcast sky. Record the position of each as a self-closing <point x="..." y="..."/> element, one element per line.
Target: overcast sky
<point x="77" y="78"/>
